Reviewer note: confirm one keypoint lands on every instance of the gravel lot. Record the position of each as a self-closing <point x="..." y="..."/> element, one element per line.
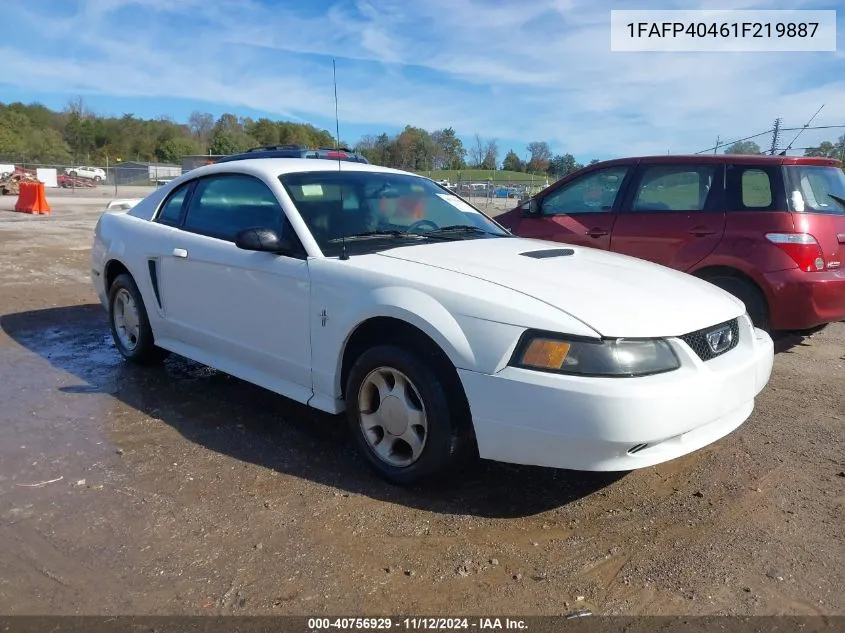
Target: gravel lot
<point x="181" y="490"/>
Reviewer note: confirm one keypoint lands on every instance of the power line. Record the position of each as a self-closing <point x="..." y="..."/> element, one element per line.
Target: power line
<point x="812" y="127"/>
<point x="769" y="131"/>
<point x="739" y="140"/>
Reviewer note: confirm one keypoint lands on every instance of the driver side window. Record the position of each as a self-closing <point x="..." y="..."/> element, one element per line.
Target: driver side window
<point x="595" y="192"/>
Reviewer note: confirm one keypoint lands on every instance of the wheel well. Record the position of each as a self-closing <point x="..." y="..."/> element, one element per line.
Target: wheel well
<point x="388" y="330"/>
<point x="113" y="269"/>
<point x="727" y="271"/>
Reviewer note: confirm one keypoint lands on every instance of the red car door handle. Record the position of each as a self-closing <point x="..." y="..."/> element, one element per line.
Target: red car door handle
<point x="702" y="231"/>
<point x="841" y="238"/>
<point x="596" y="232"/>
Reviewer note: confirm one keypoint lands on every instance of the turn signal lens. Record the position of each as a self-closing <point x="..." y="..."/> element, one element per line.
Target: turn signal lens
<point x="545" y="353"/>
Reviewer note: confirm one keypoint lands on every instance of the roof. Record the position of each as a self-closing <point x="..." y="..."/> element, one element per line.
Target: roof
<point x="295" y="151"/>
<point x="274" y="167"/>
<point x="756" y="159"/>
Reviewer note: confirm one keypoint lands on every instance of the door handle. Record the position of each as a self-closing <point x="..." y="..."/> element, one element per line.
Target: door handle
<point x="180" y="252"/>
<point x="702" y="231"/>
<point x="841" y="238"/>
<point x="597" y="232"/>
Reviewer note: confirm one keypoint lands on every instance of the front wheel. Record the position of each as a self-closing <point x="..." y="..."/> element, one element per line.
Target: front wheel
<point x="401" y="416"/>
<point x="750" y="295"/>
<point x="130" y="325"/>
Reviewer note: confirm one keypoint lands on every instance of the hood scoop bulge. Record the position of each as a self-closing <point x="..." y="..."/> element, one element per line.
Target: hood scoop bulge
<point x="548" y="253"/>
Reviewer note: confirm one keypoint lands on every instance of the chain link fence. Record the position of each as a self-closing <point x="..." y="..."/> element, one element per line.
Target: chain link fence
<point x="496" y="193"/>
<point x="121" y="179"/>
<point x="499" y="195"/>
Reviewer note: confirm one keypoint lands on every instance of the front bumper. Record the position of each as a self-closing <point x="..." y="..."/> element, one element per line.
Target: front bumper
<point x="535" y="418"/>
<point x="804" y="300"/>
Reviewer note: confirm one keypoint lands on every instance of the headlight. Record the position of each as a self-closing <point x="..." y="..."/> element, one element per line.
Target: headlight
<point x="587" y="357"/>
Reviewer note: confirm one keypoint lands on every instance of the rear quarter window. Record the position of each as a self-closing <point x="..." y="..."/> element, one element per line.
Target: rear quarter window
<point x="171" y="211"/>
<point x="755" y="188"/>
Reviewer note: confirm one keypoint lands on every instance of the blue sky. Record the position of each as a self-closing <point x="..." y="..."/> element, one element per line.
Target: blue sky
<point x="514" y="70"/>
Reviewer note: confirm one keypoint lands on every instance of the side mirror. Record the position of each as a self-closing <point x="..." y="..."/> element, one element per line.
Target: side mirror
<point x="530" y="207"/>
<point x="263" y="240"/>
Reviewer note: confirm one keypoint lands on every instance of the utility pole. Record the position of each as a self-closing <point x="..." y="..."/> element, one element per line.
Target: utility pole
<point x="718" y="139"/>
<point x="775" y="136"/>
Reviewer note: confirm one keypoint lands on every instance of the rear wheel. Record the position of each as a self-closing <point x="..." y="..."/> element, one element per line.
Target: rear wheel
<point x="402" y="417"/>
<point x="749" y="294"/>
<point x="130" y="326"/>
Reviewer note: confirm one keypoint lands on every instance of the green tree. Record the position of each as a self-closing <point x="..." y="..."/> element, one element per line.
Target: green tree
<point x="172" y="150"/>
<point x="826" y="149"/>
<point x="20" y="139"/>
<point x="512" y="162"/>
<point x="743" y="147"/>
<point x="448" y="148"/>
<point x="264" y="131"/>
<point x="79" y="134"/>
<point x="376" y="149"/>
<point x="563" y="165"/>
<point x="413" y="149"/>
<point x="223" y="142"/>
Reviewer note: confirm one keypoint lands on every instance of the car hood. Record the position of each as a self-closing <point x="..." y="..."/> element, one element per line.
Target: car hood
<point x="615" y="295"/>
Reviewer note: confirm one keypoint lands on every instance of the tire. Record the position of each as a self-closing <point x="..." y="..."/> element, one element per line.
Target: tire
<point x="130" y="328"/>
<point x="427" y="398"/>
<point x="750" y="295"/>
<point x="97" y="179"/>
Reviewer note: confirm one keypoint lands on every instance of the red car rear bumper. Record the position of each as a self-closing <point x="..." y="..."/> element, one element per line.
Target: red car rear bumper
<point x="799" y="300"/>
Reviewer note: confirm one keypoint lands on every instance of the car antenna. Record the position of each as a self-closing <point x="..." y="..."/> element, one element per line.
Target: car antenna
<point x="801" y="131"/>
<point x="343" y="254"/>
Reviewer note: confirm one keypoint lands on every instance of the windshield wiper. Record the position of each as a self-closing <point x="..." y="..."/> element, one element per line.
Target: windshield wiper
<point x="837" y="199"/>
<point x="367" y="234"/>
<point x="460" y="228"/>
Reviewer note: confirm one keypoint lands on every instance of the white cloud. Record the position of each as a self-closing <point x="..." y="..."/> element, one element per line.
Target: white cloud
<point x="535" y="69"/>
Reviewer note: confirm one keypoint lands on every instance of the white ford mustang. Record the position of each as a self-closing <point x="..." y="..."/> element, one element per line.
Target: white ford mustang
<point x="355" y="287"/>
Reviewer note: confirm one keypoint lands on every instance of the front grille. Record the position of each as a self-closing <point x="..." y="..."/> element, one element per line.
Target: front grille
<point x="698" y="340"/>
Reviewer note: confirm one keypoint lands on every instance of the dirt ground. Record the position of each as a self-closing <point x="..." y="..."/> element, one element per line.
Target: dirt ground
<point x="179" y="490"/>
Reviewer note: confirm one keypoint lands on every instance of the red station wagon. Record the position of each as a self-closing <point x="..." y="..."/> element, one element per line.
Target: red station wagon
<point x="768" y="229"/>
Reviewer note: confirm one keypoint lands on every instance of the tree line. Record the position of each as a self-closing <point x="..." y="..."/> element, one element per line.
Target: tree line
<point x="34" y="133"/>
<point x="825" y="149"/>
<point x="417" y="149"/>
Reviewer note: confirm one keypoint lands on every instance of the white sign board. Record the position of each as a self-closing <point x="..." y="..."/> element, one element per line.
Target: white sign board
<point x="48" y="176"/>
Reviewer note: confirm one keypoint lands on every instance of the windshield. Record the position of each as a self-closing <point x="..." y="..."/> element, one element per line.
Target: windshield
<point x="816" y="189"/>
<point x="387" y="209"/>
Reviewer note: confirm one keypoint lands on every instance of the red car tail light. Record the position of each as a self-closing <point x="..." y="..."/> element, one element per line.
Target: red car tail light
<point x="336" y="155"/>
<point x="803" y="248"/>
